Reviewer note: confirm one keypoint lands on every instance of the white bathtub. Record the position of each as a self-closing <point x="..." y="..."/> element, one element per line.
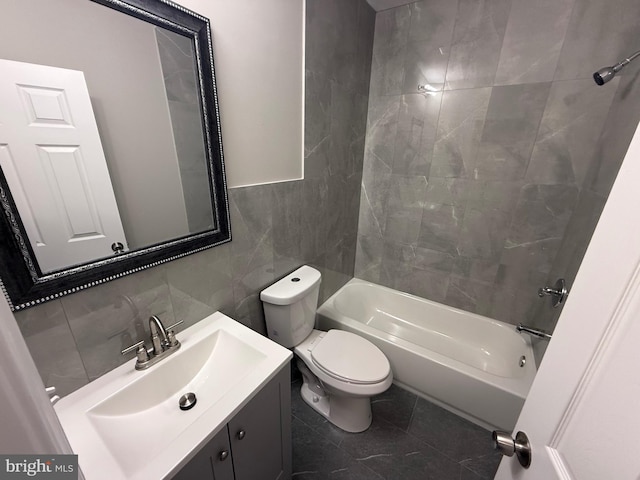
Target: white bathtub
<point x="466" y="363"/>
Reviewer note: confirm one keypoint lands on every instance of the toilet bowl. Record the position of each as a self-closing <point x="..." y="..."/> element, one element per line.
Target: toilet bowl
<point x="340" y="370"/>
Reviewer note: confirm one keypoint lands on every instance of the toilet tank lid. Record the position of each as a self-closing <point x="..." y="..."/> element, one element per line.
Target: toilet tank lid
<point x="291" y="288"/>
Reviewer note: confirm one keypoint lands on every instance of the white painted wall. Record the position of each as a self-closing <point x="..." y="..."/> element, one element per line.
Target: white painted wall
<point x="259" y="54"/>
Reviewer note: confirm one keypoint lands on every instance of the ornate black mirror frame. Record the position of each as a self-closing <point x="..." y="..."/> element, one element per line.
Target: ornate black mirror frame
<point x="24" y="284"/>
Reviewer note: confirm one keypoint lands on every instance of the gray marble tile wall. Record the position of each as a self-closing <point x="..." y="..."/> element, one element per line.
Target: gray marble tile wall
<point x="275" y="227"/>
<point x="178" y="68"/>
<point x="489" y="185"/>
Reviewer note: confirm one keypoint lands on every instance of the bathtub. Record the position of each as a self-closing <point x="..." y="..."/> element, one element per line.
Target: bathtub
<point x="469" y="364"/>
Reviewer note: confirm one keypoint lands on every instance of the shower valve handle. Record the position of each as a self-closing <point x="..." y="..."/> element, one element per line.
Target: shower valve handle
<point x="558" y="291"/>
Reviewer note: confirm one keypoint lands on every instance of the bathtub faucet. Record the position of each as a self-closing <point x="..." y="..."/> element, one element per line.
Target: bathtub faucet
<point x="533" y="331"/>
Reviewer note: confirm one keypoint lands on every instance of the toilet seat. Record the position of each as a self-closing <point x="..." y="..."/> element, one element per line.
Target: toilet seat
<point x="349" y="358"/>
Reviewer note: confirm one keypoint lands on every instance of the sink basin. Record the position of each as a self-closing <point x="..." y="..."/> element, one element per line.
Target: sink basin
<point x="128" y="424"/>
<point x="205" y="366"/>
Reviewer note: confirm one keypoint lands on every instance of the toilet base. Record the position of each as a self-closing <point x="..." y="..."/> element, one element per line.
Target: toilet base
<point x="351" y="414"/>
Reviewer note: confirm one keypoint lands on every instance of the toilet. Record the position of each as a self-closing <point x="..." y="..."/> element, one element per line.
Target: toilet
<point x="341" y="371"/>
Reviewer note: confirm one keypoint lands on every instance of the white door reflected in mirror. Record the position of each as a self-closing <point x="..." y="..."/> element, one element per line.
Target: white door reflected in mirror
<point x="53" y="161"/>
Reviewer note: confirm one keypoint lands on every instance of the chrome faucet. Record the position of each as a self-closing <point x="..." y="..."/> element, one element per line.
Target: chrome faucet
<point x="157" y="329"/>
<point x="163" y="341"/>
<point x="533" y="331"/>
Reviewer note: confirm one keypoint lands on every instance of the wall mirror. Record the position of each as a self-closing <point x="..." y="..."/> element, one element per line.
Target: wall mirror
<point x="110" y="143"/>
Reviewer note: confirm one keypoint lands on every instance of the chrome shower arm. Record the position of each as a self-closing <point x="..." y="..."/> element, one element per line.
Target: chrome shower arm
<point x="631" y="57"/>
<point x="619" y="66"/>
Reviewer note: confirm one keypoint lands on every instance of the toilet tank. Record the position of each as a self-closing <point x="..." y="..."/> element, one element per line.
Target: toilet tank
<point x="290" y="306"/>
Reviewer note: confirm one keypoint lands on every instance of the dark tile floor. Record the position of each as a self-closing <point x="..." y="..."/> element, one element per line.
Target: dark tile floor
<point x="410" y="438"/>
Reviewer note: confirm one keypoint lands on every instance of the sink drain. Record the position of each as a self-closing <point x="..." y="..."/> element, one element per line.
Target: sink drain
<point x="187" y="401"/>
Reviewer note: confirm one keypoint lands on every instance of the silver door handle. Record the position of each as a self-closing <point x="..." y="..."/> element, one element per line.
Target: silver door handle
<point x="506" y="445"/>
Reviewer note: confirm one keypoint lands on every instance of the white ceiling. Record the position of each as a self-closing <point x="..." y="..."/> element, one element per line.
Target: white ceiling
<point x="379" y="5"/>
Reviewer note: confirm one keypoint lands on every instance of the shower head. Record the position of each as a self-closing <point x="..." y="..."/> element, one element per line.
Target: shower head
<point x="605" y="74"/>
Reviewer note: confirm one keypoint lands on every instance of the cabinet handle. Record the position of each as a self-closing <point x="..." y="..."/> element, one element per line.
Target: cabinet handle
<point x="223" y="455"/>
<point x="241" y="434"/>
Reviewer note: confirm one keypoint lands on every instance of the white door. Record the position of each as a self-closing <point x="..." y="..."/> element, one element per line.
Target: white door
<point x="52" y="158"/>
<point x="582" y="416"/>
<point x="29" y="423"/>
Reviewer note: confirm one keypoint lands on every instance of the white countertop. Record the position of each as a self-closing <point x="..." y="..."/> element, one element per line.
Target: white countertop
<point x="127" y="423"/>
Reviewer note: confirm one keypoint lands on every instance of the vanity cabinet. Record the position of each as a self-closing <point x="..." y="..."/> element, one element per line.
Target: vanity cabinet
<point x="212" y="462"/>
<point x="255" y="444"/>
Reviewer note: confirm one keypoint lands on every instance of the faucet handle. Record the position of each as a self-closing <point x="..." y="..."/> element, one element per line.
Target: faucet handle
<point x="140" y="349"/>
<point x="559" y="292"/>
<point x="171" y="335"/>
<point x="51" y="391"/>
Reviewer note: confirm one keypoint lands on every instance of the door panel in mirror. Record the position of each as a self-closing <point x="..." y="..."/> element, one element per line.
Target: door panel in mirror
<point x="54" y="163"/>
<point x="149" y="70"/>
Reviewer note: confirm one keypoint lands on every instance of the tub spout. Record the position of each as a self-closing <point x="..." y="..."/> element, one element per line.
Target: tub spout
<point x="533" y="331"/>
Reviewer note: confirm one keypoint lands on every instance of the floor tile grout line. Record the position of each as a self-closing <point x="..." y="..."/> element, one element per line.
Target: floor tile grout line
<point x="438" y="451"/>
<point x="413" y="412"/>
<point x="337" y="445"/>
<point x="480" y="477"/>
<point x="314" y="429"/>
<point x="435" y="447"/>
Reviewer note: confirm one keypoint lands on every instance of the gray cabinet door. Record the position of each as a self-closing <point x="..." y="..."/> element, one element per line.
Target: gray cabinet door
<point x="255" y="444"/>
<point x="257" y="432"/>
<point x="213" y="462"/>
